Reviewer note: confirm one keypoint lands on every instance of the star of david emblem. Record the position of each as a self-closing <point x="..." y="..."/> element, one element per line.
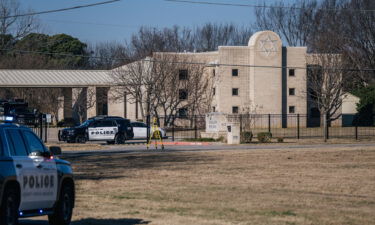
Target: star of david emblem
<point x="268" y="46"/>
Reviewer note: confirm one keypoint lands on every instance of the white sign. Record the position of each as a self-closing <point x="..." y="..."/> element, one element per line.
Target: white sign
<point x="48" y="118"/>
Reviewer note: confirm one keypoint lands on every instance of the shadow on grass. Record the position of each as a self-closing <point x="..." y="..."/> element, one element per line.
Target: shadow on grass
<point x="91" y="221"/>
<point x="100" y="166"/>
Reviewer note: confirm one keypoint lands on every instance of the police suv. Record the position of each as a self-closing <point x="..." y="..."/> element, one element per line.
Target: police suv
<point x="33" y="180"/>
<point x="112" y="129"/>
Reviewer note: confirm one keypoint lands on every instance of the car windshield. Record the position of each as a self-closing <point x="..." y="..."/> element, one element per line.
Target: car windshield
<point x="86" y="123"/>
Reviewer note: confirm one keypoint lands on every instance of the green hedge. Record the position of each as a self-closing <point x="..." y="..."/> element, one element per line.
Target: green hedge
<point x="264" y="137"/>
<point x="246" y="137"/>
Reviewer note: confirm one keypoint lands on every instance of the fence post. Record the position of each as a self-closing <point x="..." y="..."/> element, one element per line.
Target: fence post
<point x="298" y="127"/>
<point x="148" y="121"/>
<point x="241" y="123"/>
<point x="195" y="127"/>
<point x="269" y="123"/>
<point x="356" y="132"/>
<point x="173" y="118"/>
<point x="41" y="126"/>
<point x="45" y="129"/>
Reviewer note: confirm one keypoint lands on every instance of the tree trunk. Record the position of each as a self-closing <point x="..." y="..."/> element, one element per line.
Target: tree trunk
<point x="325" y="127"/>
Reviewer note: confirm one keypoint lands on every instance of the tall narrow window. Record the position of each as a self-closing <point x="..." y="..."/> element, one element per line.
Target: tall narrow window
<point x="292" y="109"/>
<point x="214" y="72"/>
<point x="292" y="72"/>
<point x="292" y="91"/>
<point x="213" y="91"/>
<point x="235" y="72"/>
<point x="183" y="74"/>
<point x="183" y="94"/>
<point x="183" y="112"/>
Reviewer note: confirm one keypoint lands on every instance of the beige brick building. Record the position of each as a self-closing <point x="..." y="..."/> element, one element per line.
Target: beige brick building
<point x="262" y="78"/>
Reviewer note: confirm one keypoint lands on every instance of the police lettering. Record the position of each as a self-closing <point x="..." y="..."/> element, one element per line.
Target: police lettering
<point x="37" y="182"/>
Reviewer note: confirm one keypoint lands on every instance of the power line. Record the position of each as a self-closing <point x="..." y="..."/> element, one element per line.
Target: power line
<point x="184" y="62"/>
<point x="263" y="6"/>
<point x="96" y="24"/>
<point x="59" y="10"/>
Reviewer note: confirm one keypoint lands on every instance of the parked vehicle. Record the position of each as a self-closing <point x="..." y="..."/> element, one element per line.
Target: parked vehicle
<point x="33" y="180"/>
<point x="140" y="131"/>
<point x="20" y="110"/>
<point x="113" y="130"/>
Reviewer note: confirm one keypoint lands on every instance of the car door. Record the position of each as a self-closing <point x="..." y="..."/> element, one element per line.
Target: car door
<point x="28" y="172"/>
<point x="139" y="130"/>
<point x="102" y="130"/>
<point x="46" y="181"/>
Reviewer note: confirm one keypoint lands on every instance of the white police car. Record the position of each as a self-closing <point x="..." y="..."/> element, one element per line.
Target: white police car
<point x="33" y="181"/>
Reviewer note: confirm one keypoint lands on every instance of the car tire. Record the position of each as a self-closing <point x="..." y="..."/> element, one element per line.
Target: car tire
<point x="81" y="139"/>
<point x="9" y="209"/>
<point x="63" y="212"/>
<point x="120" y="139"/>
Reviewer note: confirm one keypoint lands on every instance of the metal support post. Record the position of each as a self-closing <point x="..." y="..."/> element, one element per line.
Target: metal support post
<point x="298" y="127"/>
<point x="269" y="123"/>
<point x="195" y="127"/>
<point x="173" y="118"/>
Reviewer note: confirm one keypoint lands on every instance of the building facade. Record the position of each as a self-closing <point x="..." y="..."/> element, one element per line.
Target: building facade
<point x="263" y="77"/>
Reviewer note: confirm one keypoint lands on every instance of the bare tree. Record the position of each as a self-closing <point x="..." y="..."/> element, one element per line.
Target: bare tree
<point x="325" y="86"/>
<point x="85" y="98"/>
<point x="108" y="55"/>
<point x="11" y="24"/>
<point x="138" y="82"/>
<point x="295" y="22"/>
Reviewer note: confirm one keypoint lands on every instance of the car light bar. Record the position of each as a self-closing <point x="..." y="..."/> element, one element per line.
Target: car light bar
<point x="6" y="118"/>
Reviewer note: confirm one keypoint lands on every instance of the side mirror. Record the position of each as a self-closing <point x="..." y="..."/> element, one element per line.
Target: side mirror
<point x="55" y="150"/>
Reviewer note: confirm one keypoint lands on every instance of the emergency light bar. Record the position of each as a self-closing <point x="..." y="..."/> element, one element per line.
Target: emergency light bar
<point x="6" y="119"/>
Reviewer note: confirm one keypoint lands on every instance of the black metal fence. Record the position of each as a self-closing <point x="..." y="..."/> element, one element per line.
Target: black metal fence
<point x="303" y="126"/>
<point x="298" y="126"/>
<point x="40" y="127"/>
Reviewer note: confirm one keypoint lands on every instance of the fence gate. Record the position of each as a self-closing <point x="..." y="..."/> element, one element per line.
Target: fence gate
<point x="39" y="126"/>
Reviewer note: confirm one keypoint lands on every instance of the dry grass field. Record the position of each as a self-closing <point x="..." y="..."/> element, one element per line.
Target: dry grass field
<point x="309" y="186"/>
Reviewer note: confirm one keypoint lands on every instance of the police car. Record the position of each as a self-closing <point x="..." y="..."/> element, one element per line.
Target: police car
<point x="33" y="180"/>
<point x="112" y="129"/>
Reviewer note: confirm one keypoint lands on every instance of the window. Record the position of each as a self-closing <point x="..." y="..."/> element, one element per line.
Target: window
<point x="16" y="143"/>
<point x="235" y="91"/>
<point x="213" y="91"/>
<point x="235" y="109"/>
<point x="106" y="123"/>
<point x="292" y="109"/>
<point x="183" y="112"/>
<point x="235" y="72"/>
<point x="33" y="142"/>
<point x="292" y="72"/>
<point x="183" y="74"/>
<point x="292" y="91"/>
<point x="213" y="109"/>
<point x="214" y="72"/>
<point x="183" y="94"/>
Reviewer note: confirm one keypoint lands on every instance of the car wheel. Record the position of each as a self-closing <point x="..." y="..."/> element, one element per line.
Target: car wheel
<point x="120" y="139"/>
<point x="9" y="210"/>
<point x="62" y="214"/>
<point x="81" y="139"/>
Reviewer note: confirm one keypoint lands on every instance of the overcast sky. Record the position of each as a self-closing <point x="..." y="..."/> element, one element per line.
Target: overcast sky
<point x="117" y="21"/>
